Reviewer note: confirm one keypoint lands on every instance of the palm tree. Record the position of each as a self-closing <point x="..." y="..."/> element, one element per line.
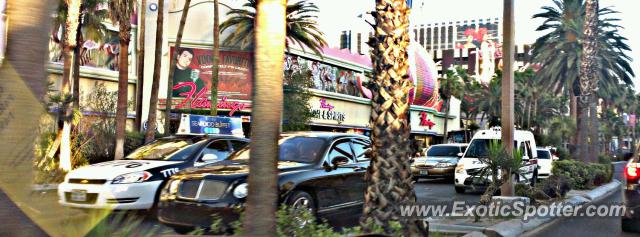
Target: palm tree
<point x="70" y="42"/>
<point x="120" y="13"/>
<point x="301" y="26"/>
<point x="140" y="65"/>
<point x="152" y="121"/>
<point x="450" y="86"/>
<point x="169" y="103"/>
<point x="389" y="178"/>
<point x="559" y="50"/>
<point x="588" y="80"/>
<point x="269" y="43"/>
<point x="216" y="55"/>
<point x="490" y="104"/>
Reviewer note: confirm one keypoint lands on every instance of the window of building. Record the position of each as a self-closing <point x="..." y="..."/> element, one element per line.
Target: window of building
<point x="345" y="40"/>
<point x="428" y="38"/>
<point x="451" y="43"/>
<point x="359" y="42"/>
<point x="443" y="35"/>
<point x="435" y="38"/>
<point x="421" y="36"/>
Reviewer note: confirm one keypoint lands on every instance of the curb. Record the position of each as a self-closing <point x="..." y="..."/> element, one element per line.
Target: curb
<point x="517" y="227"/>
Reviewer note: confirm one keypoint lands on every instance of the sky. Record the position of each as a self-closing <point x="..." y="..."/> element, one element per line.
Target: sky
<point x="338" y="15"/>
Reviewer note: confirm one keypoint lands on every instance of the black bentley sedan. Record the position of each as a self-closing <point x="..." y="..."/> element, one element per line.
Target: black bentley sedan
<point x="321" y="172"/>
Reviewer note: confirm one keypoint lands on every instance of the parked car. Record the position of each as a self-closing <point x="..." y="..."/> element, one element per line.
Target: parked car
<point x="468" y="171"/>
<point x="631" y="221"/>
<point x="321" y="172"/>
<point x="440" y="161"/>
<point x="545" y="162"/>
<point x="134" y="182"/>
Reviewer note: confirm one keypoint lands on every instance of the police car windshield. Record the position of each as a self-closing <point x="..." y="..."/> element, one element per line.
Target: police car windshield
<point x="176" y="149"/>
<point x="479" y="148"/>
<point x="294" y="149"/>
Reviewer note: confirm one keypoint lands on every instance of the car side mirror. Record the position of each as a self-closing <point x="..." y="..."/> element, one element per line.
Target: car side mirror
<point x="338" y="161"/>
<point x="368" y="152"/>
<point x="209" y="157"/>
<point x="460" y="155"/>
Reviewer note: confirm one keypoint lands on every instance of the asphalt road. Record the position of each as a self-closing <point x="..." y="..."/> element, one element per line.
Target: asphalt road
<point x="441" y="190"/>
<point x="427" y="191"/>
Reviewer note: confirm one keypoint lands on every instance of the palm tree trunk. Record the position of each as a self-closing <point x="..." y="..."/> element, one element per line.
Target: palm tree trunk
<point x="507" y="91"/>
<point x="123" y="82"/>
<point x="573" y="107"/>
<point x="389" y="178"/>
<point x="76" y="66"/>
<point x="216" y="55"/>
<point x="260" y="219"/>
<point x="583" y="128"/>
<point x="140" y="65"/>
<point x="172" y="68"/>
<point x="152" y="121"/>
<point x="446" y="120"/>
<point x="588" y="81"/>
<point x="594" y="149"/>
<point x="70" y="43"/>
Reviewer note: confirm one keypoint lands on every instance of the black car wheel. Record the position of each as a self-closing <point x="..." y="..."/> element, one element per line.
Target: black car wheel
<point x="301" y="201"/>
<point x="459" y="189"/>
<point x="183" y="230"/>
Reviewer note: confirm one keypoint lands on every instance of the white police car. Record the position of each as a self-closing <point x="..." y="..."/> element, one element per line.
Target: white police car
<point x="135" y="181"/>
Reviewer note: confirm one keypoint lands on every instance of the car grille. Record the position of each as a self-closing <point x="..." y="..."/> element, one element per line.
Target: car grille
<point x="424" y="166"/>
<point x="202" y="189"/>
<point x="91" y="198"/>
<point x="189" y="189"/>
<point x="87" y="181"/>
<point x="212" y="190"/>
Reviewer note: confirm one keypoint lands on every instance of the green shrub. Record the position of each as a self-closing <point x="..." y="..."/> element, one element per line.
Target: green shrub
<point x="133" y="141"/>
<point x="604" y="159"/>
<point x="292" y="222"/>
<point x="581" y="175"/>
<point x="555" y="186"/>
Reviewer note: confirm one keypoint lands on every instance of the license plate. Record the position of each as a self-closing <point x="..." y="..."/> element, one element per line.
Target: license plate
<point x="79" y="195"/>
<point x="424" y="172"/>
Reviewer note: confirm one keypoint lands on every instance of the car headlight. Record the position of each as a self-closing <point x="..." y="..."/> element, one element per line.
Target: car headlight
<point x="241" y="191"/>
<point x="460" y="168"/>
<point x="135" y="177"/>
<point x="443" y="165"/>
<point x="173" y="187"/>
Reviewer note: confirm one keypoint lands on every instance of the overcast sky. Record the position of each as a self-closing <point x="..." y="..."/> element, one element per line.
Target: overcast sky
<point x="338" y="15"/>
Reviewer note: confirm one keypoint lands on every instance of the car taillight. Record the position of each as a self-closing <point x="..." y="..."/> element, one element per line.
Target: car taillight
<point x="632" y="171"/>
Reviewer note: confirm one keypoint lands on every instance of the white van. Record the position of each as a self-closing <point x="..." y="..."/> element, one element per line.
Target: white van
<point x="469" y="166"/>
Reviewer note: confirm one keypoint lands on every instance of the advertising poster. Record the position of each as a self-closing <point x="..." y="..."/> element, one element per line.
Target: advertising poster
<point x="200" y="124"/>
<point x="192" y="75"/>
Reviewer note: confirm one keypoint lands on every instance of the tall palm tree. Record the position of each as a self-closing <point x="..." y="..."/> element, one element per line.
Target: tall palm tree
<point x="389" y="179"/>
<point x="216" y="55"/>
<point x="120" y="13"/>
<point x="560" y="49"/>
<point x="588" y="80"/>
<point x="450" y="86"/>
<point x="152" y="121"/>
<point x="301" y="26"/>
<point x="169" y="103"/>
<point x="140" y="66"/>
<point x="70" y="42"/>
<point x="269" y="43"/>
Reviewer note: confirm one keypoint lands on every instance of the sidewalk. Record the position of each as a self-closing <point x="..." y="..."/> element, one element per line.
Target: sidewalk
<point x="14" y="221"/>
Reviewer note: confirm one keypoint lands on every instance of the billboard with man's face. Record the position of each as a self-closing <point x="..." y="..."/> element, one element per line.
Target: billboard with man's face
<point x="192" y="75"/>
